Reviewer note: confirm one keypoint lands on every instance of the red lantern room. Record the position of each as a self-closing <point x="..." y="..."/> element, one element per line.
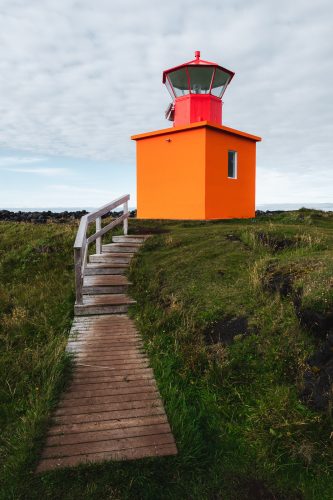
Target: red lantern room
<point x="196" y="88"/>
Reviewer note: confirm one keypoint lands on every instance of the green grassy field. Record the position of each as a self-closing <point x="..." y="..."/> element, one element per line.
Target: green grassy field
<point x="236" y="318"/>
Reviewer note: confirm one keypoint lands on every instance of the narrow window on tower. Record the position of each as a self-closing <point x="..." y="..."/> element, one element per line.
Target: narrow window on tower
<point x="232" y="164"/>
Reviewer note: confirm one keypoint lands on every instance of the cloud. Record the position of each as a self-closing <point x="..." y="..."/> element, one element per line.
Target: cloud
<point x="78" y="189"/>
<point x="77" y="78"/>
<point x="8" y="161"/>
<point x="45" y="171"/>
<point x="278" y="186"/>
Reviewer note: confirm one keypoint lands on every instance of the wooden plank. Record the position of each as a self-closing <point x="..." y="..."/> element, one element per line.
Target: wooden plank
<point x="84" y="310"/>
<point x="87" y="340"/>
<point x="124" y="423"/>
<point x="103" y="290"/>
<point x="108" y="415"/>
<point x="86" y="325"/>
<point x="119" y="404"/>
<point x="121" y="248"/>
<point x="103" y="435"/>
<point x="96" y="388"/>
<point x="132" y="454"/>
<point x="96" y="349"/>
<point x="106" y="279"/>
<point x="116" y="327"/>
<point x="112" y="299"/>
<point x="91" y="370"/>
<point x="112" y="321"/>
<point x="115" y="362"/>
<point x="88" y="332"/>
<point x="102" y="378"/>
<point x="82" y="391"/>
<point x="133" y="238"/>
<point x="72" y="397"/>
<point x="111" y="258"/>
<point x="109" y="445"/>
<point x="113" y="358"/>
<point x="97" y="405"/>
<point x="120" y="347"/>
<point x="109" y="340"/>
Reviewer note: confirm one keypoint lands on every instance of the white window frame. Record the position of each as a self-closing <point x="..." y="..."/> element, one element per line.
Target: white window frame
<point x="235" y="163"/>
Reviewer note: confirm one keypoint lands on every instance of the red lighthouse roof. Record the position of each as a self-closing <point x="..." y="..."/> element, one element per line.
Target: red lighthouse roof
<point x="197" y="62"/>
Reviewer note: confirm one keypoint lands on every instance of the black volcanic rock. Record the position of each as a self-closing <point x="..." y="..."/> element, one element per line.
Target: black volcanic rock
<point x="45" y="216"/>
<point x="40" y="217"/>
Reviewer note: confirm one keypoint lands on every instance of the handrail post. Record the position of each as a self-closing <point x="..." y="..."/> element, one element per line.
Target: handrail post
<point x="99" y="240"/>
<point x="78" y="274"/>
<point x="125" y="210"/>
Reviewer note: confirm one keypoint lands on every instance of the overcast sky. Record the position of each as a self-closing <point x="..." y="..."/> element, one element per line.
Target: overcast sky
<point x="78" y="77"/>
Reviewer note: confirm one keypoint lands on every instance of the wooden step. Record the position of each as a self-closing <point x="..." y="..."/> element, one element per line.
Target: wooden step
<point x="99" y="290"/>
<point x="105" y="283"/>
<point x="117" y="258"/>
<point x="99" y="268"/>
<point x="121" y="247"/>
<point x="103" y="304"/>
<point x="130" y="238"/>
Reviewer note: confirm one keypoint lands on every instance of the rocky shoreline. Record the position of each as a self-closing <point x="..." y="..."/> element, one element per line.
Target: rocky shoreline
<point x="48" y="216"/>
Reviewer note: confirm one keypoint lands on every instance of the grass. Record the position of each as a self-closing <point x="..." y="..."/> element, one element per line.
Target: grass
<point x="242" y="430"/>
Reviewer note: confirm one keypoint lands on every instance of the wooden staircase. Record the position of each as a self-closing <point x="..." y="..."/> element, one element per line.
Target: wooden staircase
<point x="105" y="288"/>
<point x="112" y="409"/>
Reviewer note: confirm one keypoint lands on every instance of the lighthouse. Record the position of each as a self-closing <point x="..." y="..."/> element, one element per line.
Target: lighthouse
<point x="198" y="168"/>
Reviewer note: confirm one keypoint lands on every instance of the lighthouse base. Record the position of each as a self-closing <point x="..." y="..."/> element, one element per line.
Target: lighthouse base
<point x="200" y="171"/>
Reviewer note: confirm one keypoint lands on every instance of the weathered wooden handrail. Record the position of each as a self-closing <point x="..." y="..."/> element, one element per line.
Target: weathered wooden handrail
<point x="82" y="242"/>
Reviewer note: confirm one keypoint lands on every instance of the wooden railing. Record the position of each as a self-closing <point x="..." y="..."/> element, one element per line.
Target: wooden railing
<point x="82" y="242"/>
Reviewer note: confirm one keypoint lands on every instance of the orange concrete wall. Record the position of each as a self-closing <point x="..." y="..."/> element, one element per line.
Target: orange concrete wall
<point x="171" y="175"/>
<point x="229" y="198"/>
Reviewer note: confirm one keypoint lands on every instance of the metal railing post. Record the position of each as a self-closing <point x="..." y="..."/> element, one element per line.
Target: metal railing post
<point x="99" y="240"/>
<point x="125" y="209"/>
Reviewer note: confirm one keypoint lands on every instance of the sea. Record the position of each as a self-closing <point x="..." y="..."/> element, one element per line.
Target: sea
<point x="327" y="207"/>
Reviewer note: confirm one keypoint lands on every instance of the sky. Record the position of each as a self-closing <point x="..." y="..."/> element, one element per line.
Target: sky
<point x="79" y="77"/>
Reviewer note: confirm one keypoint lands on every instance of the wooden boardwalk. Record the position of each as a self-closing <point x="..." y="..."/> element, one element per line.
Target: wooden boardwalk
<point x="112" y="409"/>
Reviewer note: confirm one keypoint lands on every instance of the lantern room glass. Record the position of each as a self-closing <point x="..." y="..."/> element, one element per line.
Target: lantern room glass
<point x="220" y="82"/>
<point x="197" y="80"/>
<point x="200" y="79"/>
<point x="179" y="81"/>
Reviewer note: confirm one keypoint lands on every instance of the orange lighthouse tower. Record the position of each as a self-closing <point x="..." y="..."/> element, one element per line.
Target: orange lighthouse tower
<point x="197" y="169"/>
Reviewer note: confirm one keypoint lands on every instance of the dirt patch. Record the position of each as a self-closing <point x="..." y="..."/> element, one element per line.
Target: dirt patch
<point x="318" y="378"/>
<point x="276" y="243"/>
<point x="320" y="324"/>
<point x="254" y="489"/>
<point x="277" y="280"/>
<point x="221" y="272"/>
<point x="225" y="330"/>
<point x="317" y="390"/>
<point x="232" y="237"/>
